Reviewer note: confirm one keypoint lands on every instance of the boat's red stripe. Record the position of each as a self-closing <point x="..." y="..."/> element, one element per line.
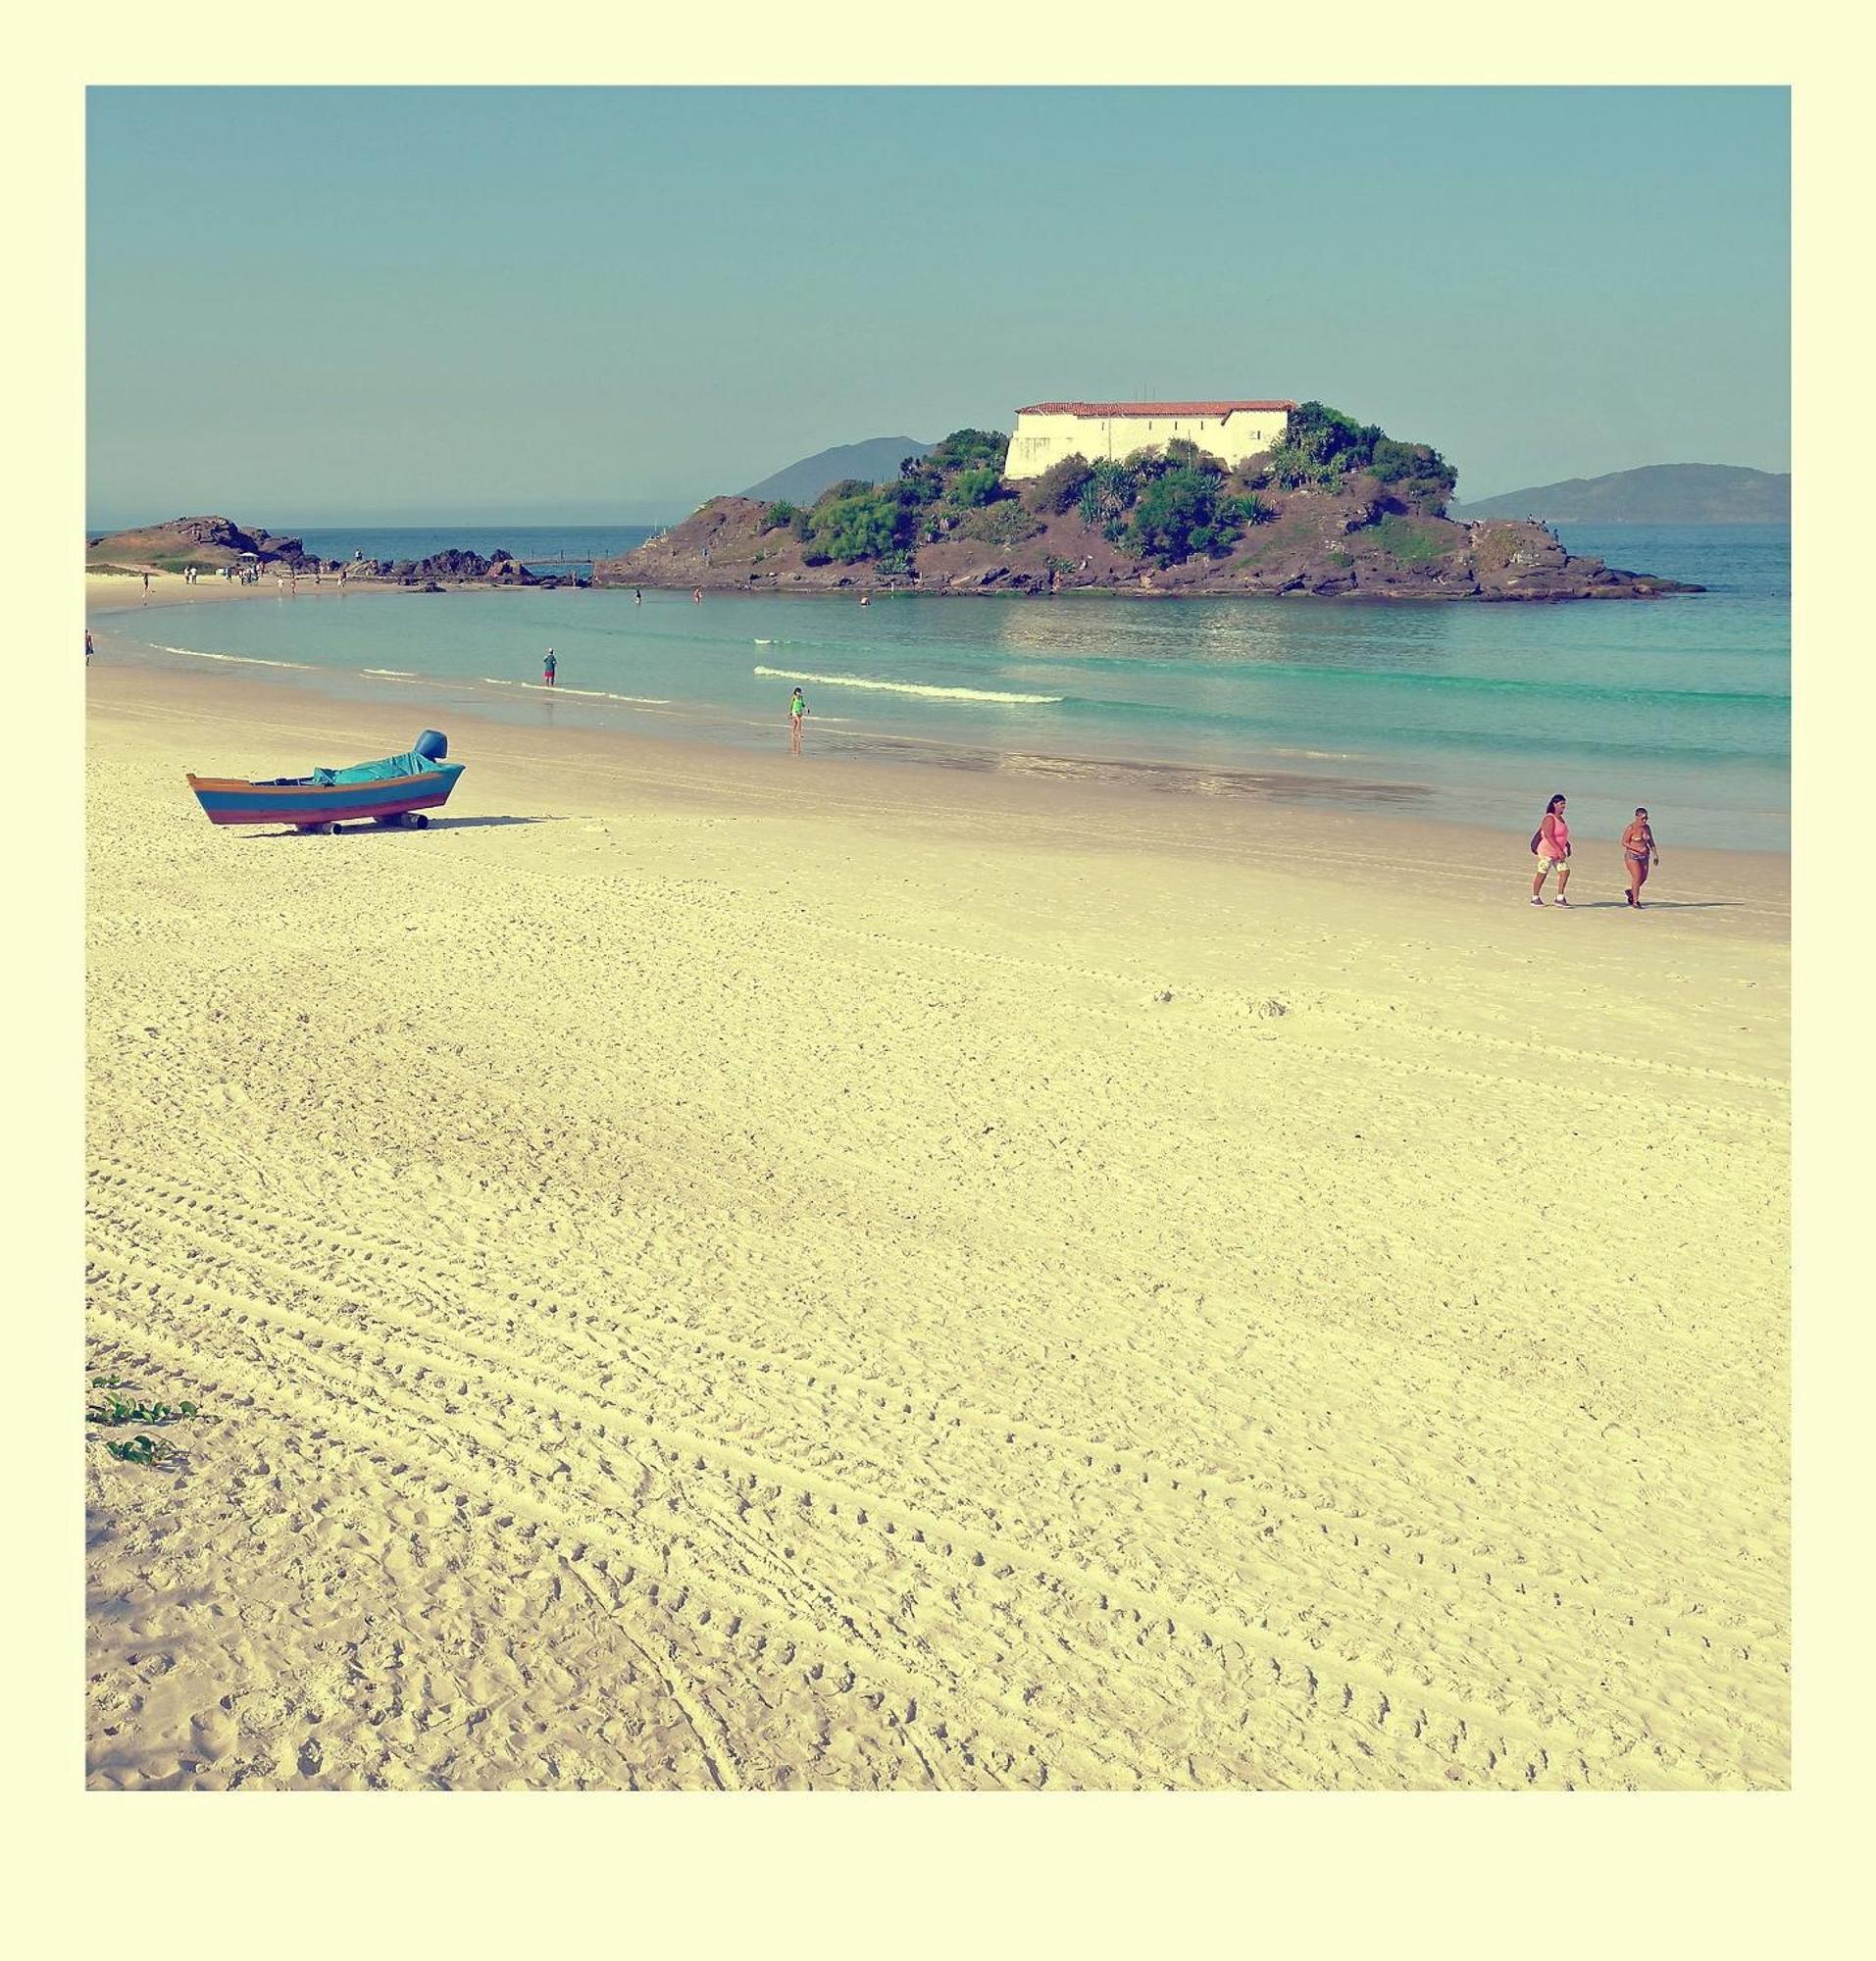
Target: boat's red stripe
<point x="336" y="814"/>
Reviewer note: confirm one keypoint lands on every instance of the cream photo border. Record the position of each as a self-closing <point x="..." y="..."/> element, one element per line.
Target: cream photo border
<point x="893" y="1875"/>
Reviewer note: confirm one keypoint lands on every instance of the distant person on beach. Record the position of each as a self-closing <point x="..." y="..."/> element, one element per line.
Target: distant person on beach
<point x="864" y="600"/>
<point x="146" y="585"/>
<point x="87" y="646"/>
<point x="548" y="669"/>
<point x="638" y="597"/>
<point x="1551" y="843"/>
<point x="1639" y="855"/>
<point x="696" y="595"/>
<point x="797" y="714"/>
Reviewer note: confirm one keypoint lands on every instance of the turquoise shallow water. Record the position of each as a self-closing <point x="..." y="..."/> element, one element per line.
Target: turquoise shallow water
<point x="1476" y="713"/>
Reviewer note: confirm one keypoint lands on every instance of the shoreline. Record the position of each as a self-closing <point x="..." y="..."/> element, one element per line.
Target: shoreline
<point x="877" y="589"/>
<point x="98" y="593"/>
<point x="1261" y="816"/>
<point x="106" y="594"/>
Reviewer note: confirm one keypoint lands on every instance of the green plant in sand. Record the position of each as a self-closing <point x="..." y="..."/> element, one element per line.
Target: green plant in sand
<point x="140" y="1449"/>
<point x="113" y="1406"/>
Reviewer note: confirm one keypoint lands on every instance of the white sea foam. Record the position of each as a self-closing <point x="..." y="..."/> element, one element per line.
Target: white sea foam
<point x="594" y="694"/>
<point x="389" y="673"/>
<point x="911" y="687"/>
<point x="240" y="660"/>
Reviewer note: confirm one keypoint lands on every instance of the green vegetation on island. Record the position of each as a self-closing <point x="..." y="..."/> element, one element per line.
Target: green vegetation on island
<point x="1324" y="449"/>
<point x="1334" y="508"/>
<point x="1163" y="504"/>
<point x="884" y="523"/>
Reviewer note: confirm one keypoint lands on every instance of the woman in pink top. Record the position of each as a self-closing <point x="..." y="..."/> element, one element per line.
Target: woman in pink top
<point x="1553" y="846"/>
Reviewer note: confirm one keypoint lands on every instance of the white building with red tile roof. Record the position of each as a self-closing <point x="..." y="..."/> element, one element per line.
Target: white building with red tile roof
<point x="1047" y="431"/>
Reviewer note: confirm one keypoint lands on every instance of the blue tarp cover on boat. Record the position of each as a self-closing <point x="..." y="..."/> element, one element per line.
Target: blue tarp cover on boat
<point x="410" y="763"/>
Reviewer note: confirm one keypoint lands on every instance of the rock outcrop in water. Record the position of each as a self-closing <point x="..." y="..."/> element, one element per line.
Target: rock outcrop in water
<point x="210" y="543"/>
<point x="453" y="567"/>
<point x="1336" y="510"/>
<point x="1345" y="546"/>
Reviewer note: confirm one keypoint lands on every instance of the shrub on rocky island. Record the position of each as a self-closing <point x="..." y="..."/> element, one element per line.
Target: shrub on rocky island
<point x="1322" y="448"/>
<point x="1059" y="488"/>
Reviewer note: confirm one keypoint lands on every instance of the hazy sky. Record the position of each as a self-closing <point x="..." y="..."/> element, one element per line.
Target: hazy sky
<point x="375" y="304"/>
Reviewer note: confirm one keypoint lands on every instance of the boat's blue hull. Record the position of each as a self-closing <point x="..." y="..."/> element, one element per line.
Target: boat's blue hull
<point x="230" y="800"/>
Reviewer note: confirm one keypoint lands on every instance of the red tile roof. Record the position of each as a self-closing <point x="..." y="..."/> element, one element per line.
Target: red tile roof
<point x="1108" y="409"/>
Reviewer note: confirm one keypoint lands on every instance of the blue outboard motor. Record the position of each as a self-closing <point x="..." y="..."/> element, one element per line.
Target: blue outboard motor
<point x="432" y="744"/>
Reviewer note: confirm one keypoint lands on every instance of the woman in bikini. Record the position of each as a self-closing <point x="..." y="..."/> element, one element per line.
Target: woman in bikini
<point x="1639" y="855"/>
<point x="1553" y="846"/>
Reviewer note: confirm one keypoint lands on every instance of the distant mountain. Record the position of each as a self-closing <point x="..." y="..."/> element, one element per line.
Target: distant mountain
<point x="874" y="461"/>
<point x="1661" y="493"/>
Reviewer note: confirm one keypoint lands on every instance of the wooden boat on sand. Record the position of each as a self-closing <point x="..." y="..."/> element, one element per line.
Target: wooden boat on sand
<point x="395" y="790"/>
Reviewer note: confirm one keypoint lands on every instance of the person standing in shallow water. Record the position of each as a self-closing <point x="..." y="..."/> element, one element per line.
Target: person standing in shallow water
<point x="548" y="669"/>
<point x="797" y="714"/>
<point x="1553" y="846"/>
<point x="87" y="646"/>
<point x="1639" y="856"/>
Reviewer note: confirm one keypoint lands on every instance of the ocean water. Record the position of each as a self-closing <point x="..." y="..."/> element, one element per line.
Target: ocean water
<point x="1472" y="713"/>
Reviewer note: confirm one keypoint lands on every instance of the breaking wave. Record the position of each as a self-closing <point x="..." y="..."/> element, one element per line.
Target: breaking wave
<point x="912" y="687"/>
<point x="240" y="660"/>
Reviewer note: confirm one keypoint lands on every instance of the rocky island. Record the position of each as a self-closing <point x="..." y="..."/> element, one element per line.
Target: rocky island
<point x="215" y="544"/>
<point x="1333" y="510"/>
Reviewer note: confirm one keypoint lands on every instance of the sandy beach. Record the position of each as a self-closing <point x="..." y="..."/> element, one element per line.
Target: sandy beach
<point x="703" y="1271"/>
<point x="125" y="592"/>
